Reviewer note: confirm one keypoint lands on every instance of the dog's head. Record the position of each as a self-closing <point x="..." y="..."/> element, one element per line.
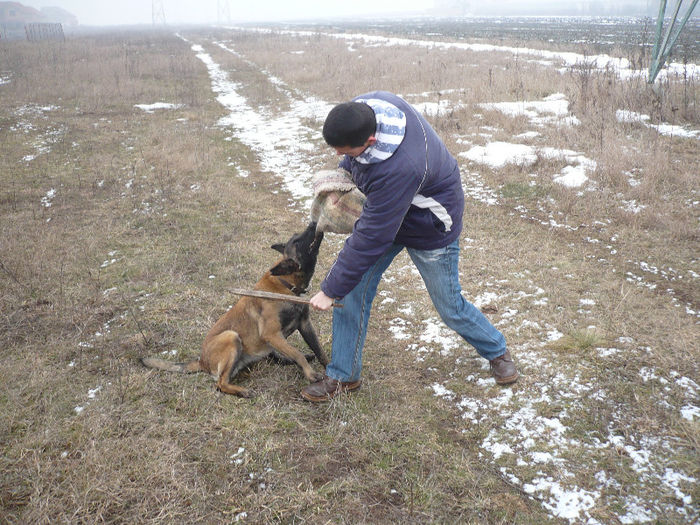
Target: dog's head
<point x="300" y="254"/>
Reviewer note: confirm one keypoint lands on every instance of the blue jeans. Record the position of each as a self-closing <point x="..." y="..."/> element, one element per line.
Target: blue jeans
<point x="439" y="271"/>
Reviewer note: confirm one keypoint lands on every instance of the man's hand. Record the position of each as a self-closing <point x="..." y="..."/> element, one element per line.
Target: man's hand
<point x="321" y="301"/>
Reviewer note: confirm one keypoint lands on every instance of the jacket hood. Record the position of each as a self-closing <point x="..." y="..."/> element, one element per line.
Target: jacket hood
<point x="391" y="129"/>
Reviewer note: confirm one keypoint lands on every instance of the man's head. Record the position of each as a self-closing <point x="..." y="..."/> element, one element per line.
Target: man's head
<point x="350" y="128"/>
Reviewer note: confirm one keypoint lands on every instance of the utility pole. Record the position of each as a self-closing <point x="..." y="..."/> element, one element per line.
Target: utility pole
<point x="158" y="13"/>
<point x="223" y="12"/>
<point x="665" y="40"/>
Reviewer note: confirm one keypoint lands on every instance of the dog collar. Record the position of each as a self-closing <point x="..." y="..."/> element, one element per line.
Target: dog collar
<point x="293" y="288"/>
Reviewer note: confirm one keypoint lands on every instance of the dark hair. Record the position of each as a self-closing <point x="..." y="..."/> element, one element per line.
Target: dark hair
<point x="349" y="124"/>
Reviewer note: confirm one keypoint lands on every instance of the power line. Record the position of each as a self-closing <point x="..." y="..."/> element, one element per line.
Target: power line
<point x="223" y="11"/>
<point x="158" y="13"/>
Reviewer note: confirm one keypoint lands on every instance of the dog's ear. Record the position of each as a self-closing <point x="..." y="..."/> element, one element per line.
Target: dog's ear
<point x="285" y="267"/>
<point x="278" y="247"/>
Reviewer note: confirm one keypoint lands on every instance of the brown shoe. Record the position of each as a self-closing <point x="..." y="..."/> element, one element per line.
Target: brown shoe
<point x="503" y="369"/>
<point x="327" y="389"/>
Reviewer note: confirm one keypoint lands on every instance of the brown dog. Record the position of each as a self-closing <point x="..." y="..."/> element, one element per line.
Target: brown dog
<point x="257" y="328"/>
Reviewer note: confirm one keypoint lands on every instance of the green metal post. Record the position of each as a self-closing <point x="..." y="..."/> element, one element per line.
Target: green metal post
<point x="659" y="28"/>
<point x="680" y="27"/>
<point x="662" y="49"/>
<point x="669" y="29"/>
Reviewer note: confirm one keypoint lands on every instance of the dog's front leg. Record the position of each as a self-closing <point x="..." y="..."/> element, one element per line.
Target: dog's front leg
<point x="306" y="329"/>
<point x="281" y="345"/>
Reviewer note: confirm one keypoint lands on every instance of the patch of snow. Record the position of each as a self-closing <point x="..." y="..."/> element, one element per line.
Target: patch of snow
<point x="551" y="110"/>
<point x="498" y="154"/>
<point x="528" y="135"/>
<point x="398" y="327"/>
<point x="630" y="117"/>
<point x="636" y="513"/>
<point x="151" y="108"/>
<point x="441" y="391"/>
<point x="563" y="503"/>
<point x="433" y="109"/>
<point x="434" y="333"/>
<point x="46" y="199"/>
<point x="554" y="335"/>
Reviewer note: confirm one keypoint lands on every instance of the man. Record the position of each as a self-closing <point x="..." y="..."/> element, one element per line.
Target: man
<point x="414" y="201"/>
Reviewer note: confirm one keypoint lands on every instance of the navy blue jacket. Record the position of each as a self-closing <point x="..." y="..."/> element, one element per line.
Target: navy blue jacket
<point x="414" y="198"/>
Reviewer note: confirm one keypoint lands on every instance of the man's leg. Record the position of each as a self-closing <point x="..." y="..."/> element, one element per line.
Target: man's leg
<point x="349" y="332"/>
<point x="440" y="272"/>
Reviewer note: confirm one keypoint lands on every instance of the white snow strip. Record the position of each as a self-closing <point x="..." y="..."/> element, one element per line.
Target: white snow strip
<point x="602" y="62"/>
<point x="290" y="155"/>
<point x="150" y="108"/>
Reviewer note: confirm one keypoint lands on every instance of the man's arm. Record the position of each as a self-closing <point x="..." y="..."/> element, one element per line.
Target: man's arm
<point x="388" y="200"/>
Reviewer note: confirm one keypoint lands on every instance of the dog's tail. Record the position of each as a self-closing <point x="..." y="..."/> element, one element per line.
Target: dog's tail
<point x="169" y="366"/>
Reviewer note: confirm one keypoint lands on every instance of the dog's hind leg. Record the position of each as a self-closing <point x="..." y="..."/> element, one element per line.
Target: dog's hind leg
<point x="227" y="387"/>
<point x="226" y="351"/>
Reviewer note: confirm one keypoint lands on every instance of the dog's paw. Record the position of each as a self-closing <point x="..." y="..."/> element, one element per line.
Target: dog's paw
<point x="246" y="394"/>
<point x="316" y="377"/>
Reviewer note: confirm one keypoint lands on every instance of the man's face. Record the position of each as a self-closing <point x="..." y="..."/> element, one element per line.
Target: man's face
<point x="354" y="152"/>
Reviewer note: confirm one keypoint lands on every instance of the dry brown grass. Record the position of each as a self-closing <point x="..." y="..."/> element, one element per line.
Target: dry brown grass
<point x="147" y="208"/>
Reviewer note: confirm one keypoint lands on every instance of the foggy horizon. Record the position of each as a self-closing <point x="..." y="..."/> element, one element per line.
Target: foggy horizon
<point x="181" y="12"/>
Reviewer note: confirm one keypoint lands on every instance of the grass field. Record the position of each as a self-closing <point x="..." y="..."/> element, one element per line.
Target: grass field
<point x="122" y="228"/>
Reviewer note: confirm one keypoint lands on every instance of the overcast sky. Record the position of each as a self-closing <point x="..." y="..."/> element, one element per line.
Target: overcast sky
<point x="118" y="12"/>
